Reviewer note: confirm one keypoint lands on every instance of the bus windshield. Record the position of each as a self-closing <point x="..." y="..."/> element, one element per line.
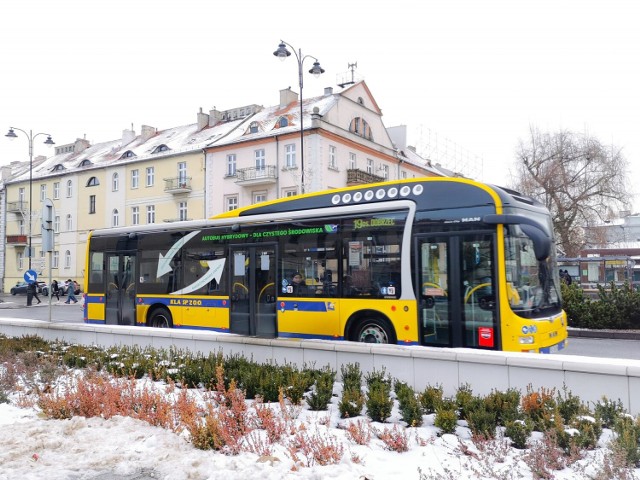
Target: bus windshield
<point x="533" y="286"/>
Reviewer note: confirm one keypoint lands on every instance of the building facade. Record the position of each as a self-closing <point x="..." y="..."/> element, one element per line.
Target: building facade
<point x="227" y="159"/>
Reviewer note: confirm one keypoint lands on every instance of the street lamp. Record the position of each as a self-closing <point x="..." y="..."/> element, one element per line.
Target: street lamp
<point x="282" y="53"/>
<point x="30" y="136"/>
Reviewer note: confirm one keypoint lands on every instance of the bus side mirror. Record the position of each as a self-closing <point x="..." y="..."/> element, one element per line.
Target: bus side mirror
<point x="541" y="243"/>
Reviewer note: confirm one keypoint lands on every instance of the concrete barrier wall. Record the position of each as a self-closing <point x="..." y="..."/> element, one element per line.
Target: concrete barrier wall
<point x="586" y="377"/>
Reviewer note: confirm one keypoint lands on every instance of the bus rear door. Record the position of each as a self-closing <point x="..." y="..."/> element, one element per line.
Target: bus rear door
<point x="252" y="292"/>
<point x="121" y="289"/>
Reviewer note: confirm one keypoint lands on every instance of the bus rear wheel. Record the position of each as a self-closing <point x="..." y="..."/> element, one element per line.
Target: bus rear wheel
<point x="374" y="330"/>
<point x="161" y="318"/>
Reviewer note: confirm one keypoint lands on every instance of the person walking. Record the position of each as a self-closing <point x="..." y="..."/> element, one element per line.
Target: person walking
<point x="55" y="289"/>
<point x="71" y="294"/>
<point x="34" y="293"/>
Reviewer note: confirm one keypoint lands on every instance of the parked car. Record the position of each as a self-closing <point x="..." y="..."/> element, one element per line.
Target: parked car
<point x="21" y="287"/>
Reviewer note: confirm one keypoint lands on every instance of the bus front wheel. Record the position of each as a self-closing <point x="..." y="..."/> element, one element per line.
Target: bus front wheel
<point x="374" y="330"/>
<point x="161" y="318"/>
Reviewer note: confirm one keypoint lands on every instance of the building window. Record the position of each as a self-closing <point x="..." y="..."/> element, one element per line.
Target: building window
<point x="231" y="165"/>
<point x="385" y="171"/>
<point x="135" y="178"/>
<point x="151" y="214"/>
<point x="135" y="215"/>
<point x="360" y="127"/>
<point x="92" y="204"/>
<point x="352" y="161"/>
<point x="231" y="202"/>
<point x="182" y="173"/>
<point x="43" y="193"/>
<point x="260" y="160"/>
<point x="150" y="176"/>
<point x="182" y="211"/>
<point x="93" y="182"/>
<point x="289" y="192"/>
<point x="20" y="260"/>
<point x="55" y="261"/>
<point x="69" y="223"/>
<point x="56" y="190"/>
<point x="290" y="155"/>
<point x="115" y="218"/>
<point x="69" y="188"/>
<point x="370" y="166"/>
<point x="56" y="224"/>
<point x="333" y="162"/>
<point x="21" y="194"/>
<point x="115" y="182"/>
<point x="67" y="259"/>
<point x="253" y="128"/>
<point x="403" y="174"/>
<point x="21" y="226"/>
<point x="259" y="197"/>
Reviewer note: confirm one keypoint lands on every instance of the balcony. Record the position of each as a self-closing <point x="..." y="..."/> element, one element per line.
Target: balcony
<point x="177" y="185"/>
<point x="256" y="175"/>
<point x="18" y="207"/>
<point x="359" y="177"/>
<point x="17" y="240"/>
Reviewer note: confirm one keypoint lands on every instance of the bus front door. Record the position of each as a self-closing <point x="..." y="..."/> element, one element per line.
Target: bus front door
<point x="457" y="290"/>
<point x="121" y="289"/>
<point x="252" y="299"/>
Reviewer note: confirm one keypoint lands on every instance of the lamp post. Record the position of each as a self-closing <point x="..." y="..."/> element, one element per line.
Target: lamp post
<point x="30" y="136"/>
<point x="282" y="53"/>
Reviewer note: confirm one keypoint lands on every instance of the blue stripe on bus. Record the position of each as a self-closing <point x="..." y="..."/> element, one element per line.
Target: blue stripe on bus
<point x="553" y="348"/>
<point x="304" y="306"/>
<point x="185" y="302"/>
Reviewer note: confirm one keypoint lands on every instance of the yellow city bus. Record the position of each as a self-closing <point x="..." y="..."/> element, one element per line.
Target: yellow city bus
<point x="443" y="262"/>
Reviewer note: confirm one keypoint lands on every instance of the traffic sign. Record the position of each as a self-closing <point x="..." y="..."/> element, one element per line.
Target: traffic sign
<point x="30" y="276"/>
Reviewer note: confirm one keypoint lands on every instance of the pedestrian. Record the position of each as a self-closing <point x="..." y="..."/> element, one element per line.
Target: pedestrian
<point x="55" y="289"/>
<point x="34" y="291"/>
<point x="71" y="294"/>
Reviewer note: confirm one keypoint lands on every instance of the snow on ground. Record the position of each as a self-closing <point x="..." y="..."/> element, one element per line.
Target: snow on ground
<point x="32" y="447"/>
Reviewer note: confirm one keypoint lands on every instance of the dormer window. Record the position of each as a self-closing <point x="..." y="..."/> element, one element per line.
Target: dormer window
<point x="59" y="167"/>
<point x="127" y="154"/>
<point x="283" y="122"/>
<point x="253" y="128"/>
<point x="360" y="127"/>
<point x="93" y="182"/>
<point x="85" y="163"/>
<point x="160" y="148"/>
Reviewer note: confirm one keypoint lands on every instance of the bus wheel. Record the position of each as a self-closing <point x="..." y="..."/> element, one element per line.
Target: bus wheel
<point x="161" y="318"/>
<point x="374" y="330"/>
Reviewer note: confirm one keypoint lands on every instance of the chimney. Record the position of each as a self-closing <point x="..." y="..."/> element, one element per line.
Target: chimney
<point x="328" y="91"/>
<point x="215" y="116"/>
<point x="287" y="96"/>
<point x="80" y="145"/>
<point x="203" y="119"/>
<point x="128" y="136"/>
<point x="147" y="132"/>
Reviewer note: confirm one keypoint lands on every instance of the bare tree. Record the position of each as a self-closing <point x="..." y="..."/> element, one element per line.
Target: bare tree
<point x="582" y="182"/>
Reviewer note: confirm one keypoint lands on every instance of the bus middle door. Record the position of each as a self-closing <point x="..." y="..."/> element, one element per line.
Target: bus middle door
<point x="121" y="292"/>
<point x="252" y="300"/>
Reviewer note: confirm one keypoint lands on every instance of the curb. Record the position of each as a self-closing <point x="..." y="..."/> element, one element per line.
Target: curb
<point x="611" y="334"/>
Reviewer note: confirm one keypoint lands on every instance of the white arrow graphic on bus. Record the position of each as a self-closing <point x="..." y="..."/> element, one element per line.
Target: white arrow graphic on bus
<point x="164" y="262"/>
<point x="215" y="271"/>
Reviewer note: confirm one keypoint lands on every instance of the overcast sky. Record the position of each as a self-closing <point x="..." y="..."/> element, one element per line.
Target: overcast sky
<point x="467" y="77"/>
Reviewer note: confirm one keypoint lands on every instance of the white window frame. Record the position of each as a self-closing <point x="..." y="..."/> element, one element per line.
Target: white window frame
<point x="56" y="224"/>
<point x="150" y="176"/>
<point x="115" y="182"/>
<point x="290" y="155"/>
<point x="21" y="229"/>
<point x="69" y="189"/>
<point x="20" y="260"/>
<point x="260" y="159"/>
<point x="231" y="202"/>
<point x="55" y="260"/>
<point x="67" y="259"/>
<point x="135" y="178"/>
<point x="115" y="218"/>
<point x="69" y="223"/>
<point x="151" y="214"/>
<point x="353" y="161"/>
<point x="259" y="197"/>
<point x="333" y="160"/>
<point x="43" y="192"/>
<point x="182" y="211"/>
<point x="56" y="190"/>
<point x="135" y="215"/>
<point x="370" y="166"/>
<point x="231" y="165"/>
<point x="182" y="172"/>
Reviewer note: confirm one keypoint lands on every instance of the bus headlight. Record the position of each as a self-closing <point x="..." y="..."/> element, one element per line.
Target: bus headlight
<point x="526" y="340"/>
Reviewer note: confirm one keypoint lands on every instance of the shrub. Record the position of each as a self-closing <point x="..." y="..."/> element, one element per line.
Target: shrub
<point x="626" y="440"/>
<point x="431" y="399"/>
<point x="518" y="431"/>
<point x="539" y="407"/>
<point x="409" y="405"/>
<point x="351" y="376"/>
<point x="379" y="403"/>
<point x="482" y="422"/>
<point x="609" y="411"/>
<point x="505" y="405"/>
<point x="321" y="395"/>
<point x="446" y="420"/>
<point x="351" y="403"/>
<point x="570" y="406"/>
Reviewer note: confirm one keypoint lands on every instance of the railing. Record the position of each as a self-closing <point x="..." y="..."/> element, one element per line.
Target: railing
<point x="17" y="207"/>
<point x="359" y="177"/>
<point x="177" y="185"/>
<point x="256" y="175"/>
